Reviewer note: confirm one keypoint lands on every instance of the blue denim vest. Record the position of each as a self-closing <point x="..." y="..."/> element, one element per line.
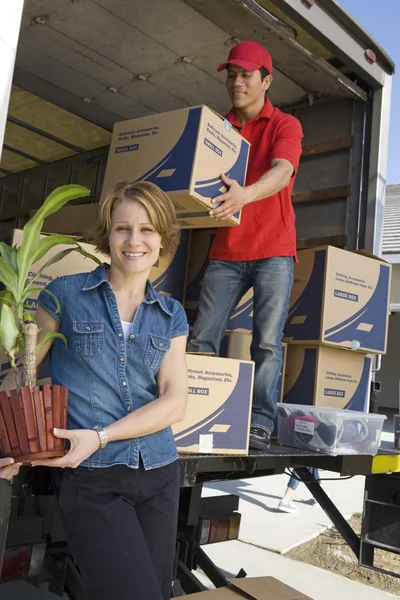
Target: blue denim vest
<point x="108" y="378"/>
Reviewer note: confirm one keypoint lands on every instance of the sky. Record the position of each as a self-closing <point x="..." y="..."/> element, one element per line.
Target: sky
<point x="381" y="20"/>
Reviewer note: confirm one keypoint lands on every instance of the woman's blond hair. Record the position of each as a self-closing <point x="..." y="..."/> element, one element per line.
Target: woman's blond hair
<point x="154" y="200"/>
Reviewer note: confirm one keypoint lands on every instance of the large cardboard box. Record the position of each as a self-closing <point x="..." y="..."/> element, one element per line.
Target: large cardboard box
<point x="184" y="152"/>
<point x="253" y="588"/>
<point x="77" y="220"/>
<point x="325" y="376"/>
<point x="241" y="319"/>
<point x="339" y="298"/>
<point x="218" y="414"/>
<point x="168" y="276"/>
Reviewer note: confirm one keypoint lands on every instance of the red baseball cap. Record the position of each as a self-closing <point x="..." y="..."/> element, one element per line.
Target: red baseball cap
<point x="249" y="55"/>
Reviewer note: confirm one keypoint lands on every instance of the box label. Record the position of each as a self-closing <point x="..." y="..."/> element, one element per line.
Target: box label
<point x="334" y="393"/>
<point x="345" y="295"/>
<point x="302" y="426"/>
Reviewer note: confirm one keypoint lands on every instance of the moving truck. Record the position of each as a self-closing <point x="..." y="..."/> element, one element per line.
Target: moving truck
<point x="80" y="67"/>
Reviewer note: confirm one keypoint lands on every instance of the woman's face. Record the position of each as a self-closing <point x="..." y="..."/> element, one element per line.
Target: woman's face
<point x="134" y="243"/>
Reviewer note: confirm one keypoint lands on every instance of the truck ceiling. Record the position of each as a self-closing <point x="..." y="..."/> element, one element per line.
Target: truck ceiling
<point x="83" y="65"/>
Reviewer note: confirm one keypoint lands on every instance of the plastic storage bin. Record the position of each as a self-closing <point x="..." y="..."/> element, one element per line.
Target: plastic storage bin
<point x="328" y="430"/>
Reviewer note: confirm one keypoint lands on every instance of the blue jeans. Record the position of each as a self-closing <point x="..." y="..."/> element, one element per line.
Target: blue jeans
<point x="224" y="283"/>
<point x="294" y="480"/>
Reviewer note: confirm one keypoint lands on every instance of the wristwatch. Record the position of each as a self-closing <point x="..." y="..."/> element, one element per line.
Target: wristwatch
<point x="102" y="435"/>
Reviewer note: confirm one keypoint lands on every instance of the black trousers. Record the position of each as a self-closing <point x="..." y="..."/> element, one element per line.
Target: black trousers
<point x="120" y="525"/>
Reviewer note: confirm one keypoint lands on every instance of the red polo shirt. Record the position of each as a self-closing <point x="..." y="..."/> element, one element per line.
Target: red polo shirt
<point x="267" y="226"/>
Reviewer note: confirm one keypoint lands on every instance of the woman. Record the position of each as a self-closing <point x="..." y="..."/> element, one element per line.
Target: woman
<point x="125" y="368"/>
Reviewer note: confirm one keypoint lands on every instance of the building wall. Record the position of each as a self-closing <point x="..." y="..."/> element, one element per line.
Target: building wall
<point x="389" y="374"/>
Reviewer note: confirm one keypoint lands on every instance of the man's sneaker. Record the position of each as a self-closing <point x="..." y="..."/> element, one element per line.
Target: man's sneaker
<point x="259" y="439"/>
<point x="289" y="507"/>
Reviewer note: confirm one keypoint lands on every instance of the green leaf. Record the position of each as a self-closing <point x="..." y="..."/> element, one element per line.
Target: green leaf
<point x="50" y="335"/>
<point x="31" y="240"/>
<point x="7" y="297"/>
<point x="5" y="251"/>
<point x="29" y="290"/>
<point x="13" y="258"/>
<point x="49" y="242"/>
<point x="9" y="277"/>
<point x="9" y="331"/>
<point x="29" y="317"/>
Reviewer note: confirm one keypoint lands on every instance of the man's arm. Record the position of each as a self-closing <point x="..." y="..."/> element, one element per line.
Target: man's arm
<point x="273" y="181"/>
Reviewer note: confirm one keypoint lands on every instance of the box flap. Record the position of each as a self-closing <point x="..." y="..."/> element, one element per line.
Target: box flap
<point x="256" y="588"/>
<point x="370" y="255"/>
<point x="267" y="588"/>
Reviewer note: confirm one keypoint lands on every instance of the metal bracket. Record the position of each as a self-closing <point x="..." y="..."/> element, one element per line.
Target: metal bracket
<point x="349" y="535"/>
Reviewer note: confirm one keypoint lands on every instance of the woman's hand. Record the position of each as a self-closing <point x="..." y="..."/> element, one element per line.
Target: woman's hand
<point x="84" y="442"/>
<point x="9" y="468"/>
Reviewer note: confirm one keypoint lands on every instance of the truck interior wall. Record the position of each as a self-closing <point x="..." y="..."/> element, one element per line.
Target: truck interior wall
<point x="326" y="194"/>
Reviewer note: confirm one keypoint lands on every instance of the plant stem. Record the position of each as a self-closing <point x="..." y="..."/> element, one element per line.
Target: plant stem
<point x="31" y="332"/>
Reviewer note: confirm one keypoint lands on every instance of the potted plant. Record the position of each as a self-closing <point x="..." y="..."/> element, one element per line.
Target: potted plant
<point x="28" y="413"/>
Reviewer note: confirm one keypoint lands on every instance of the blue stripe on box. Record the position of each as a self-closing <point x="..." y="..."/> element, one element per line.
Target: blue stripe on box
<point x="302" y="391"/>
<point x="172" y="281"/>
<point x="360" y="399"/>
<point x="179" y="159"/>
<point x="308" y="307"/>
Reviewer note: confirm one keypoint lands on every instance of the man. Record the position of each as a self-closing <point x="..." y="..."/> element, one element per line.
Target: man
<point x="260" y="252"/>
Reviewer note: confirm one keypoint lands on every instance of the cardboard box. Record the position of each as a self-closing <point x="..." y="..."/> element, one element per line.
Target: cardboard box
<point x="330" y="377"/>
<point x="218" y="414"/>
<point x="253" y="588"/>
<point x="339" y="298"/>
<point x="184" y="152"/>
<point x="168" y="276"/>
<point x="242" y="317"/>
<point x="76" y="220"/>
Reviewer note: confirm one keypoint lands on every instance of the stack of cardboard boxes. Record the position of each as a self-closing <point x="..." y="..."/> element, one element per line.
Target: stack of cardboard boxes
<point x="338" y="313"/>
<point x="338" y="319"/>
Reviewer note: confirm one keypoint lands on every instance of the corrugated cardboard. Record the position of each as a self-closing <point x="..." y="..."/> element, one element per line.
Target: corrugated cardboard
<point x="241" y="319"/>
<point x="326" y="376"/>
<point x="184" y="152"/>
<point x="168" y="276"/>
<point x="253" y="588"/>
<point x="218" y="414"/>
<point x="339" y="298"/>
<point x="76" y="220"/>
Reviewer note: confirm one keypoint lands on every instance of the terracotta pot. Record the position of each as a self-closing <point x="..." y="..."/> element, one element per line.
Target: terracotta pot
<point x="27" y="420"/>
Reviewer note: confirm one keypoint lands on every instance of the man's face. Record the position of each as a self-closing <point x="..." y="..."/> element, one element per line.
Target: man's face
<point x="246" y="88"/>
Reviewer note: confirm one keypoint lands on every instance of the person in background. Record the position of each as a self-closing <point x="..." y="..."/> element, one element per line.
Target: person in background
<point x="125" y="370"/>
<point x="260" y="252"/>
<point x="286" y="505"/>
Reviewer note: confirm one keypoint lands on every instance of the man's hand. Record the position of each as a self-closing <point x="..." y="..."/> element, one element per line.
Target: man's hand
<point x="84" y="442"/>
<point x="232" y="201"/>
<point x="9" y="468"/>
